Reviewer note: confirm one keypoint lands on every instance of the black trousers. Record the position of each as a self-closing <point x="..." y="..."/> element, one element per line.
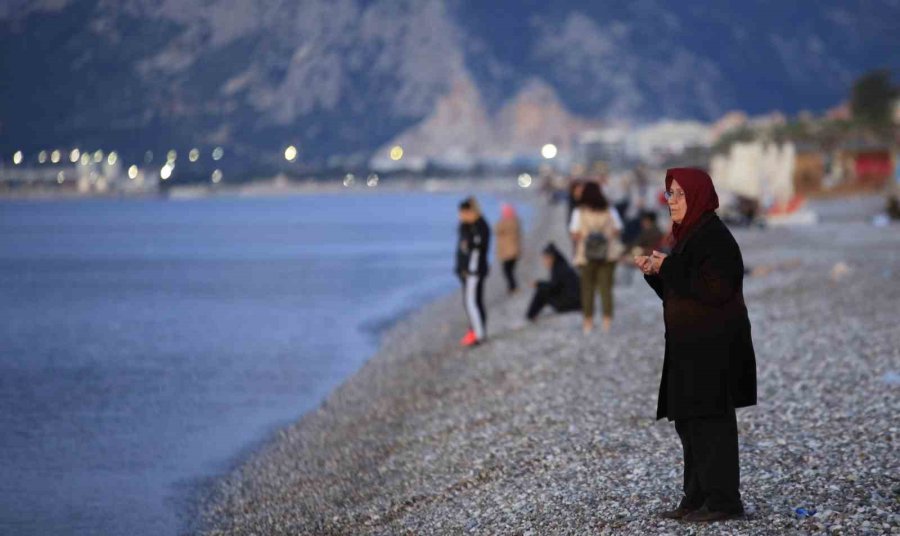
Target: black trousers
<point x="711" y="467"/>
<point x="543" y="297"/>
<point x="509" y="270"/>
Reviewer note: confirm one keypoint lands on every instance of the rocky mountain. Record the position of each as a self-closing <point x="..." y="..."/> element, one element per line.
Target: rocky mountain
<point x="345" y="79"/>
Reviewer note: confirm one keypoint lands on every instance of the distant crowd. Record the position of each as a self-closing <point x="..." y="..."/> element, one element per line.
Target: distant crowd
<point x="609" y="221"/>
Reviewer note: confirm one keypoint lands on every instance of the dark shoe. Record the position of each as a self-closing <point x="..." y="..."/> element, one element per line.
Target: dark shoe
<point x="703" y="515"/>
<point x="677" y="513"/>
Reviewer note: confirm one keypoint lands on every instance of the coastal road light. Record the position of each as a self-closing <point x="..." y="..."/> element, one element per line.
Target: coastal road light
<point x="112" y="158"/>
<point x="218" y="153"/>
<point x="132" y="172"/>
<point x="216" y="176"/>
<point x="372" y="180"/>
<point x="98" y="156"/>
<point x="524" y="180"/>
<point x="166" y="171"/>
<point x="194" y="155"/>
<point x="18" y="157"/>
<point x="55" y="156"/>
<point x="61" y="177"/>
<point x="171" y="156"/>
<point x="74" y="155"/>
<point x="290" y="153"/>
<point x="349" y="179"/>
<point x="549" y="151"/>
<point x="42" y="157"/>
<point x="396" y="153"/>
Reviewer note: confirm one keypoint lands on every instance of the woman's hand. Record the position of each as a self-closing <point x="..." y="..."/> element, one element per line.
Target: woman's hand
<point x="656" y="260"/>
<point x="643" y="263"/>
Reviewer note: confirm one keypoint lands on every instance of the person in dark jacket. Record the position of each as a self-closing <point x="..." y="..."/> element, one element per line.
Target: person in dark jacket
<point x="710" y="366"/>
<point x="561" y="292"/>
<point x="472" y="267"/>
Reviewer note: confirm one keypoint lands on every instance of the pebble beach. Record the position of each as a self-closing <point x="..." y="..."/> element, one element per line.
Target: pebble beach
<point x="544" y="430"/>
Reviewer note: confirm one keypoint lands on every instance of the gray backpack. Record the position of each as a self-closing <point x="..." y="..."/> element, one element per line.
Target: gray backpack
<point x="596" y="247"/>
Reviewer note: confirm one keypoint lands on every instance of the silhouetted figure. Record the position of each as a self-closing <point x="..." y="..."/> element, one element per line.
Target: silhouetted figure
<point x="650" y="237"/>
<point x="561" y="292"/>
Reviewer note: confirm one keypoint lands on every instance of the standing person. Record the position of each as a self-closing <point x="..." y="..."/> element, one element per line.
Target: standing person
<point x="561" y="292"/>
<point x="509" y="243"/>
<point x="472" y="267"/>
<point x="709" y="367"/>
<point x="597" y="249"/>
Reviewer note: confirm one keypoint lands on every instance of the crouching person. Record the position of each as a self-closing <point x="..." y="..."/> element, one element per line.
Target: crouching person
<point x="562" y="291"/>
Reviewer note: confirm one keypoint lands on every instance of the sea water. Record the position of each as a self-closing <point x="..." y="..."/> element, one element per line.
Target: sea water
<point x="147" y="345"/>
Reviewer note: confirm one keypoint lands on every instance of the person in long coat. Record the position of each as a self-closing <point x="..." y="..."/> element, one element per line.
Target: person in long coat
<point x="710" y="366"/>
<point x="508" y="233"/>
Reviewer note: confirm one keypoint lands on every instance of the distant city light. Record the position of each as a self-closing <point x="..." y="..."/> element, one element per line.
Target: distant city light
<point x="194" y="155"/>
<point x="171" y="156"/>
<point x="524" y="180"/>
<point x="18" y="157"/>
<point x="290" y="154"/>
<point x="396" y="153"/>
<point x="349" y="179"/>
<point x="218" y="153"/>
<point x="372" y="180"/>
<point x="55" y="156"/>
<point x="217" y="176"/>
<point x="74" y="155"/>
<point x="98" y="156"/>
<point x="61" y="177"/>
<point x="148" y="157"/>
<point x="549" y="151"/>
<point x="85" y="159"/>
<point x="166" y="171"/>
<point x="112" y="158"/>
<point x="42" y="157"/>
<point x="132" y="172"/>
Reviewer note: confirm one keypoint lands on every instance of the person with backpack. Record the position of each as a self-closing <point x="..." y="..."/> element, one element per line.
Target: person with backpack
<point x="472" y="267"/>
<point x="597" y="250"/>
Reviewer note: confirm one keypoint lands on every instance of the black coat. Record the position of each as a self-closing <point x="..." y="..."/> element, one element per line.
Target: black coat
<point x="709" y="365"/>
<point x="472" y="248"/>
<point x="563" y="289"/>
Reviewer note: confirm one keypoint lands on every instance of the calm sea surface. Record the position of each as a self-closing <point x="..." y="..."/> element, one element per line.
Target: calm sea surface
<point x="145" y="345"/>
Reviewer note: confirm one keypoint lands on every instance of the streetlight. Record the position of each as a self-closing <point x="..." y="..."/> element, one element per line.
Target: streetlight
<point x="290" y="154"/>
<point x="549" y="151"/>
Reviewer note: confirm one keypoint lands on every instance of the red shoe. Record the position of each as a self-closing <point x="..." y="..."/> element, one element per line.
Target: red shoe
<point x="469" y="339"/>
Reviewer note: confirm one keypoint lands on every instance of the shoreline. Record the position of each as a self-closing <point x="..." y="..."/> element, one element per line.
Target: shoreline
<point x="543" y="430"/>
<point x="440" y="316"/>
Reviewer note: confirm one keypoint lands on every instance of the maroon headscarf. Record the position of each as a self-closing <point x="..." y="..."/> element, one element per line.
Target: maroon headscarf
<point x="699" y="194"/>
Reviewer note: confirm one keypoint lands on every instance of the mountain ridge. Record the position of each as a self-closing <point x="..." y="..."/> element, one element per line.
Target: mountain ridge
<point x="344" y="79"/>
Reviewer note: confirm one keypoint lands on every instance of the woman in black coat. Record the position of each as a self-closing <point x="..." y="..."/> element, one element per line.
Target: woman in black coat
<point x="709" y="367"/>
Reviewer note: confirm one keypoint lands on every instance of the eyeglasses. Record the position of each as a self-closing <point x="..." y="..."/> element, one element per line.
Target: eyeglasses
<point x="674" y="194"/>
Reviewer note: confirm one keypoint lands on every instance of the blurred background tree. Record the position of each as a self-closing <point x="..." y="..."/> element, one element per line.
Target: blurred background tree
<point x="872" y="98"/>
